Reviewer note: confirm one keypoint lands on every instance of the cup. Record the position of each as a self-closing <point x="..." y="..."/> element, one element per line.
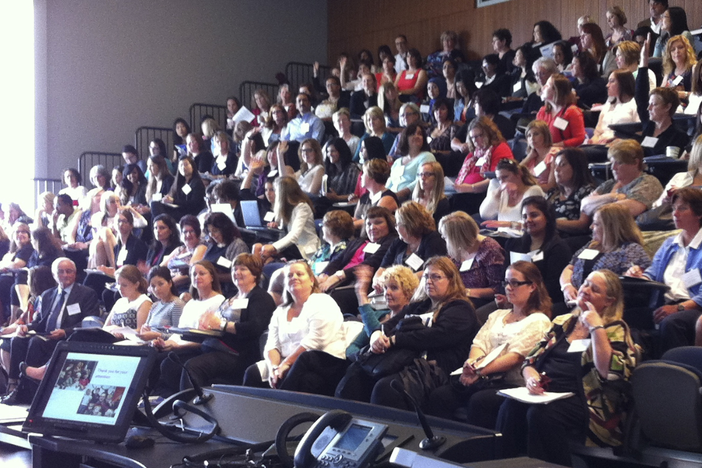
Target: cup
<point x="672" y="152"/>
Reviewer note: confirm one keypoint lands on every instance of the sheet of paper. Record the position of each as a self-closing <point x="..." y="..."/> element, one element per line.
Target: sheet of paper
<point x="523" y="395"/>
<point x="243" y="114"/>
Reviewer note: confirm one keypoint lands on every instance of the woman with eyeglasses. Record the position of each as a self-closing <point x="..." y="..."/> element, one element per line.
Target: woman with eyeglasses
<point x="444" y="335"/>
<point x="429" y="192"/>
<point x="415" y="152"/>
<point x="517" y="330"/>
<point x="588" y="352"/>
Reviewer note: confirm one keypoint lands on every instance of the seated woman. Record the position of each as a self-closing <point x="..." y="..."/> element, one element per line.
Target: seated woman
<point x="436" y="89"/>
<point x="294" y="212"/>
<point x="21" y="251"/>
<point x="486" y="147"/>
<point x="574" y="182"/>
<point x="620" y="107"/>
<point x="480" y="260"/>
<point x="187" y="194"/>
<point x="206" y="298"/>
<point x="100" y="178"/>
<point x="412" y="82"/>
<point x="415" y="152"/>
<point x="276" y="122"/>
<point x="446" y="342"/>
<point x="104" y="229"/>
<point x="512" y="184"/>
<point x="418" y="240"/>
<point x="374" y="121"/>
<point x="563" y="117"/>
<point x="167" y="309"/>
<point x="540" y="154"/>
<point x="594" y="414"/>
<point x="311" y="172"/>
<point x="224" y="245"/>
<point x="678" y="59"/>
<point x="673" y="23"/>
<point x="225" y="158"/>
<point x="188" y="254"/>
<point x="630" y="186"/>
<point x="563" y="56"/>
<point x="342" y="124"/>
<point x="243" y="318"/>
<point x="429" y="192"/>
<point x="593" y="43"/>
<point x="444" y="129"/>
<point x="181" y="130"/>
<point x="133" y="307"/>
<point x="541" y="244"/>
<point x="463" y="106"/>
<point x="166" y="240"/>
<point x="157" y="147"/>
<point x="627" y="58"/>
<point x="199" y="154"/>
<point x="133" y="191"/>
<point x="74" y="189"/>
<point x="373" y="178"/>
<point x="692" y="177"/>
<point x="517" y="330"/>
<point x="389" y="102"/>
<point x="616" y="245"/>
<point x="342" y="174"/>
<point x="160" y="179"/>
<point x="679" y="308"/>
<point x="306" y="321"/>
<point x="45" y="207"/>
<point x="261" y="106"/>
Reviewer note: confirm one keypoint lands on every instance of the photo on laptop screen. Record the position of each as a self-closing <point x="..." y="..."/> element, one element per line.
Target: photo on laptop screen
<point x="90" y="391"/>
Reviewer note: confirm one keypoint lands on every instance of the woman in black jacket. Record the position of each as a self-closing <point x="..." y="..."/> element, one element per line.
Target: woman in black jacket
<point x="187" y="194"/>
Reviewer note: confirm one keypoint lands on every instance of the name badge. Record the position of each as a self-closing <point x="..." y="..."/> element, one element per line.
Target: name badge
<point x="409" y="76"/>
<point x="304" y="127"/>
<point x="479" y="84"/>
<point x="588" y="254"/>
<point x="268" y="217"/>
<point x="516" y="257"/>
<point x="398" y="170"/>
<point x="414" y="261"/>
<point x="579" y="346"/>
<point x="481" y="161"/>
<point x="122" y="256"/>
<point x="649" y="142"/>
<point x="222" y="165"/>
<point x="537" y="256"/>
<point x="224" y="262"/>
<point x="539" y="169"/>
<point x="677" y="80"/>
<point x="424" y="108"/>
<point x="371" y="248"/>
<point x="272" y="174"/>
<point x="692" y="278"/>
<point x="242" y="303"/>
<point x="73" y="309"/>
<point x="156" y="197"/>
<point x="319" y="267"/>
<point x="560" y="123"/>
<point x="186" y="189"/>
<point x="465" y="266"/>
<point x="517" y="86"/>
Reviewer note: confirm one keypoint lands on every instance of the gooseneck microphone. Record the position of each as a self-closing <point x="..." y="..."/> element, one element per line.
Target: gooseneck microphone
<point x="431" y="441"/>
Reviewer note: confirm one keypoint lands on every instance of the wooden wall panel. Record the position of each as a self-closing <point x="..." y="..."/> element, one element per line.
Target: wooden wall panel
<point x="358" y="24"/>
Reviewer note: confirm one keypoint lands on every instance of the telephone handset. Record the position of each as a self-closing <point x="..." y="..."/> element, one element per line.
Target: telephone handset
<point x="337" y="439"/>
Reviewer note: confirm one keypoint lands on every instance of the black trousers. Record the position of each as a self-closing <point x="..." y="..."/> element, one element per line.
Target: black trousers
<point x="678" y="329"/>
<point x="542" y="431"/>
<point x="315" y="372"/>
<point x="359" y="386"/>
<point x="252" y="378"/>
<point x="32" y="350"/>
<point x="214" y="367"/>
<point x="480" y="400"/>
<point x="169" y="380"/>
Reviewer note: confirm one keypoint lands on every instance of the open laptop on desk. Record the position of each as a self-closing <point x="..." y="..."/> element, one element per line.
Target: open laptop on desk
<point x="90" y="391"/>
<point x="252" y="217"/>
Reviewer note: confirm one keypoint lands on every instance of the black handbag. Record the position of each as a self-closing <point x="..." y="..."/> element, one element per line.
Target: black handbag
<point x="394" y="359"/>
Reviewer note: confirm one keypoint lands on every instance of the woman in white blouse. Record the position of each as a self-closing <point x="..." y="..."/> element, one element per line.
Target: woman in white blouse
<point x="620" y="106"/>
<point x="307" y="320"/>
<point x="498" y="350"/>
<point x="311" y="166"/>
<point x="512" y="184"/>
<point x="131" y="310"/>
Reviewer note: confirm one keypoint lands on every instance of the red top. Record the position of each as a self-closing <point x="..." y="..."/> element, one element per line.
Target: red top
<point x="407" y="81"/>
<point x="574" y="133"/>
<point x="472" y="173"/>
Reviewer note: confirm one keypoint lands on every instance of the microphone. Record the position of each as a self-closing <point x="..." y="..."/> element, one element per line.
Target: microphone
<point x="431" y="442"/>
<point x="202" y="397"/>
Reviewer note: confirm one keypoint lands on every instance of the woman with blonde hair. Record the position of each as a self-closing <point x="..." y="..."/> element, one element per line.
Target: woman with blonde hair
<point x="261" y="106"/>
<point x="517" y="329"/>
<point x="389" y="102"/>
<point x="678" y="59"/>
<point x="627" y="57"/>
<point x="374" y="121"/>
<point x="45" y="207"/>
<point x="512" y="184"/>
<point x="132" y="309"/>
<point x="429" y="191"/>
<point x="616" y="244"/>
<point x="311" y="165"/>
<point x="480" y="259"/>
<point x="540" y="154"/>
<point x="692" y="177"/>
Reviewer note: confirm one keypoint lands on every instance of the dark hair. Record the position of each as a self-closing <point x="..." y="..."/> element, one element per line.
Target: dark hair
<point x="692" y="197"/>
<point x="192" y="221"/>
<point x="127" y="184"/>
<point x="541" y="204"/>
<point x="252" y="262"/>
<point x="642" y="31"/>
<point x="511" y="165"/>
<point x="467" y="77"/>
<point x="598" y="40"/>
<point x="174" y="238"/>
<point x="161" y="146"/>
<point x="368" y="62"/>
<point x="46" y="242"/>
<point x="386" y="49"/>
<point x="225" y="225"/>
<point x="162" y="272"/>
<point x="404" y="138"/>
<point x="65" y="199"/>
<point x="179" y="181"/>
<point x="567" y="51"/>
<point x="492" y="59"/>
<point x="130" y="149"/>
<point x="503" y="34"/>
<point x="177" y="121"/>
<point x="235" y="99"/>
<point x="539" y="300"/>
<point x="438" y="102"/>
<point x="578" y="161"/>
<point x="381" y="212"/>
<point x="40" y="279"/>
<point x="335" y="79"/>
<point x="227" y="190"/>
<point x="374" y="148"/>
<point x="216" y="285"/>
<point x="589" y="65"/>
<point x="75" y="173"/>
<point x="626" y="82"/>
<point x="345" y="156"/>
<point x="548" y="31"/>
<point x="678" y="21"/>
<point x="414" y="53"/>
<point x="489" y="101"/>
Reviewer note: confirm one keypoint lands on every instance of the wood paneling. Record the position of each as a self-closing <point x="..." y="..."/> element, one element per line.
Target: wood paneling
<point x="358" y="24"/>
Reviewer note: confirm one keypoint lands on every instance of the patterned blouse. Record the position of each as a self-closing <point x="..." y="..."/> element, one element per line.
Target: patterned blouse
<point x="487" y="270"/>
<point x="570" y="207"/>
<point x="617" y="261"/>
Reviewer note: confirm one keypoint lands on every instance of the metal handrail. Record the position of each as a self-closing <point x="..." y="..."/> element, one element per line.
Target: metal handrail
<point x="88" y="159"/>
<point x="144" y="135"/>
<point x="299" y="73"/>
<point x="42" y="185"/>
<point x="247" y="88"/>
<point x="199" y="109"/>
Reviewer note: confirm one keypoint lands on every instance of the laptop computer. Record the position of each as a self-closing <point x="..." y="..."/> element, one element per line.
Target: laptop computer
<point x="252" y="217"/>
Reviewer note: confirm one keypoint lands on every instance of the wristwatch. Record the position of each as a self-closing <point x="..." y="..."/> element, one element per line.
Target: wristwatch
<point x="681" y="307"/>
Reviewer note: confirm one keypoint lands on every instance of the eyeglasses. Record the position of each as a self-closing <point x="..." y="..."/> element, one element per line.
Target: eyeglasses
<point x="426" y="174"/>
<point x="433" y="277"/>
<point x="514" y="283"/>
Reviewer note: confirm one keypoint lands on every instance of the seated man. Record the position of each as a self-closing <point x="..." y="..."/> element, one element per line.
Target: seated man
<point x="65" y="219"/>
<point x="305" y="125"/>
<point x="63" y="308"/>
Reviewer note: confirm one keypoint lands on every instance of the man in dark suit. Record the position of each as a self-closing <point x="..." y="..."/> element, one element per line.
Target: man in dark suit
<point x="62" y="309"/>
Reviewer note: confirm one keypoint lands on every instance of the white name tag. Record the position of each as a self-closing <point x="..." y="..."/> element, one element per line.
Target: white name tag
<point x="537" y="256"/>
<point x="186" y="189"/>
<point x="414" y="261"/>
<point x="579" y="346"/>
<point x="73" y="309"/>
<point x="273" y="173"/>
<point x="539" y="169"/>
<point x="692" y="278"/>
<point x="465" y="266"/>
<point x="122" y="256"/>
<point x="304" y="127"/>
<point x="409" y="76"/>
<point x="560" y="123"/>
<point x="270" y="216"/>
<point x="371" y="248"/>
<point x="517" y="86"/>
<point x="677" y="80"/>
<point x="319" y="267"/>
<point x="221" y="165"/>
<point x="398" y="170"/>
<point x="479" y="84"/>
<point x="224" y="262"/>
<point x="588" y="254"/>
<point x="649" y="142"/>
<point x="481" y="161"/>
<point x="242" y="303"/>
<point x="424" y="108"/>
<point x="517" y="257"/>
<point x="156" y="197"/>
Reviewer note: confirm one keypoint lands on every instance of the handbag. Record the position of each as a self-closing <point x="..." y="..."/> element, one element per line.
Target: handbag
<point x="394" y="359"/>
